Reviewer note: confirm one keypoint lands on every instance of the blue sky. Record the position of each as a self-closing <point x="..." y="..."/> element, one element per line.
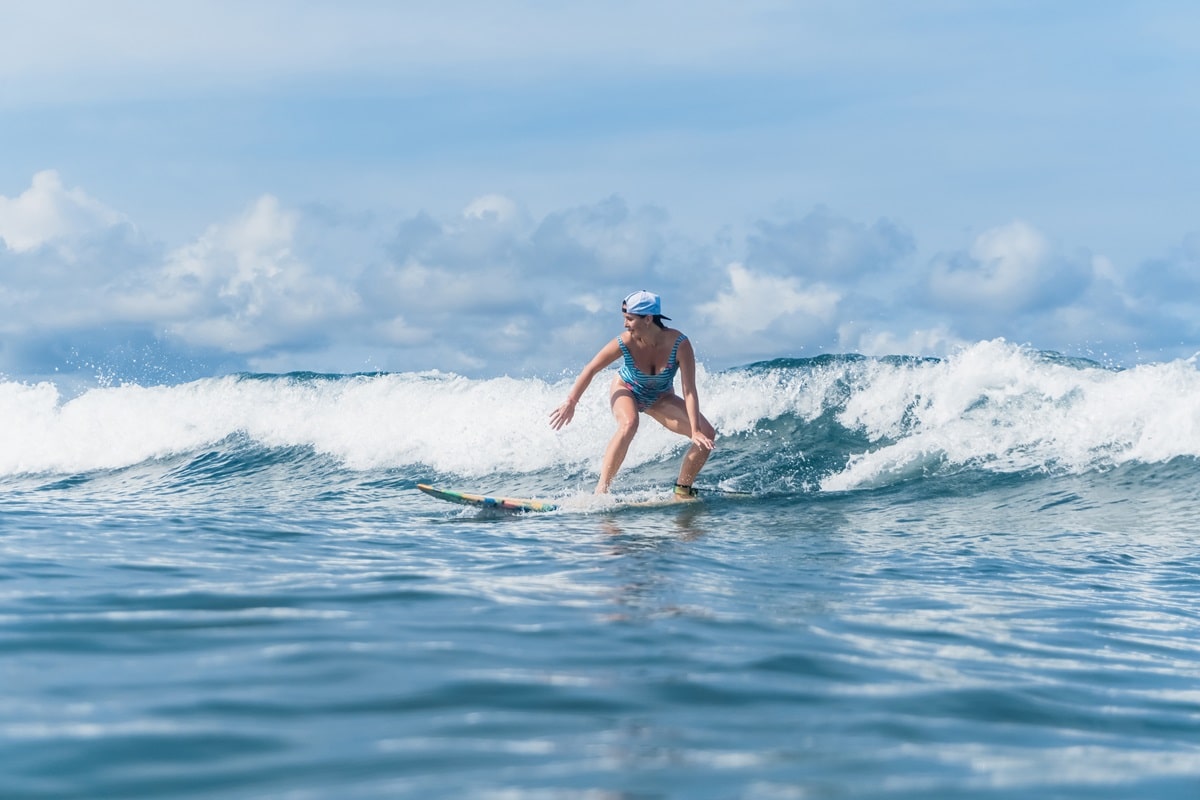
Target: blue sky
<point x="192" y="188"/>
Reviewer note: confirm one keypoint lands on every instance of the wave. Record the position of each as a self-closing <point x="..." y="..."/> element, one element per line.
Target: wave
<point x="831" y="423"/>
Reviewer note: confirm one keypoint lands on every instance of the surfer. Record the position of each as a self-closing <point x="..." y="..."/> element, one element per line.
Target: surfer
<point x="650" y="355"/>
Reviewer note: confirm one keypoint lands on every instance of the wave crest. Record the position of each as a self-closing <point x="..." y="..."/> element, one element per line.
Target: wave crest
<point x="834" y="423"/>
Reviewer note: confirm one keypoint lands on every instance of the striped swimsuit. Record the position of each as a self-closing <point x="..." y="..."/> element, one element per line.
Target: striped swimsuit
<point x="647" y="389"/>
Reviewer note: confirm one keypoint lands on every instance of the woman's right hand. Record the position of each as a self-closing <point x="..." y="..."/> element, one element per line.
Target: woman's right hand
<point x="562" y="415"/>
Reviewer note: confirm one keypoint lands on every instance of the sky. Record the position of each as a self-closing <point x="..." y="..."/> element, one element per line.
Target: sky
<point x="203" y="187"/>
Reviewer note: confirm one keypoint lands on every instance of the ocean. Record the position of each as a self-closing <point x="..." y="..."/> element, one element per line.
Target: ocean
<point x="969" y="577"/>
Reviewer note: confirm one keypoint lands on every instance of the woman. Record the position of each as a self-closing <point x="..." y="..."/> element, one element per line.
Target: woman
<point x="651" y="353"/>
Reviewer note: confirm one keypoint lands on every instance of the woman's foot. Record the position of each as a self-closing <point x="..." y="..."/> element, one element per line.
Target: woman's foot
<point x="684" y="493"/>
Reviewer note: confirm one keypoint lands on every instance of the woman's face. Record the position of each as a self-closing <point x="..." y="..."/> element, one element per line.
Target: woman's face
<point x="635" y="324"/>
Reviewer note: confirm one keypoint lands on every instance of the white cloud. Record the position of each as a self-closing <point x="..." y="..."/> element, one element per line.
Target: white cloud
<point x="937" y="341"/>
<point x="397" y="331"/>
<point x="241" y="287"/>
<point x="1104" y="269"/>
<point x="1001" y="272"/>
<point x="1011" y="269"/>
<point x="492" y="207"/>
<point x="589" y="302"/>
<point x="604" y="241"/>
<point x="47" y="211"/>
<point x="823" y="244"/>
<point x="755" y="302"/>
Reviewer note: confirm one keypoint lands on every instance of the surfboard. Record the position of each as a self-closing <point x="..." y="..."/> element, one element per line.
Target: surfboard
<point x="487" y="501"/>
<point x="499" y="503"/>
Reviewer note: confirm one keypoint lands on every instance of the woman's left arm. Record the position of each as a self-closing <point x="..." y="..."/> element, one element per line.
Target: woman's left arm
<point x="691" y="398"/>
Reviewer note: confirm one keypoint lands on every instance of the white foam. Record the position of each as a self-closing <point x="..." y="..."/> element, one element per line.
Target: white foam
<point x="1000" y="407"/>
<point x="446" y="422"/>
<point x="992" y="405"/>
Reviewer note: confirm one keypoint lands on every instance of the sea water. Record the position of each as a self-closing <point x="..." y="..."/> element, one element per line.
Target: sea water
<point x="968" y="577"/>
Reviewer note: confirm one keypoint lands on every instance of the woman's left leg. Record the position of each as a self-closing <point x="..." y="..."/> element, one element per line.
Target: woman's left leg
<point x="671" y="412"/>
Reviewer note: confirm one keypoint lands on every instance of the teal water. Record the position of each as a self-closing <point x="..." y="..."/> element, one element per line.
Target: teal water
<point x="231" y="588"/>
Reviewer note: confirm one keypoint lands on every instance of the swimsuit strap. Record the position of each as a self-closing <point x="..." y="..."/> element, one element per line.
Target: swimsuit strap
<point x="675" y="350"/>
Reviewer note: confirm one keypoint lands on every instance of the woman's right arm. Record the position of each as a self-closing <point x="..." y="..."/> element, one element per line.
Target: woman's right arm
<point x="607" y="355"/>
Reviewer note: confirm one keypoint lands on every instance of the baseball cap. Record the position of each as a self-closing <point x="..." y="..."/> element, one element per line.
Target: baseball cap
<point x="643" y="304"/>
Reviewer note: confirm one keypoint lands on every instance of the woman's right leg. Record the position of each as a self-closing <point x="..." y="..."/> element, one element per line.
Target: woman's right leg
<point x="624" y="410"/>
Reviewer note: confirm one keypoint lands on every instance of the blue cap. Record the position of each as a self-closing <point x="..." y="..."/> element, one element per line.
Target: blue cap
<point x="643" y="304"/>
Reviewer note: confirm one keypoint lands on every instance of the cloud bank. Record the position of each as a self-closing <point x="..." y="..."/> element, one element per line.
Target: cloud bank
<point x="494" y="289"/>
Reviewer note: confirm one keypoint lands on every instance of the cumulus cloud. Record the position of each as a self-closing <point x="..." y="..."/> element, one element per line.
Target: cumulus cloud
<point x="494" y="207"/>
<point x="493" y="265"/>
<point x="48" y="211"/>
<point x="753" y="303"/>
<point x="1009" y="269"/>
<point x="1173" y="275"/>
<point x="1157" y="305"/>
<point x="241" y="287"/>
<point x="936" y="341"/>
<point x="605" y="241"/>
<point x="825" y="245"/>
<point x="86" y="294"/>
<point x="1000" y="272"/>
<point x="436" y="270"/>
<point x="64" y="255"/>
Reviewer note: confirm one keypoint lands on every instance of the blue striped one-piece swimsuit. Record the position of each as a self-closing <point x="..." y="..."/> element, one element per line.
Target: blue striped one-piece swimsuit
<point x="647" y="389"/>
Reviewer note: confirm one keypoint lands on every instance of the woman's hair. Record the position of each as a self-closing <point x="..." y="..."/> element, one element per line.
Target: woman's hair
<point x="658" y="318"/>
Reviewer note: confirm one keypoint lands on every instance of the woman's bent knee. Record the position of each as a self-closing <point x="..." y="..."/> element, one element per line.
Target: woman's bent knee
<point x="627" y="426"/>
